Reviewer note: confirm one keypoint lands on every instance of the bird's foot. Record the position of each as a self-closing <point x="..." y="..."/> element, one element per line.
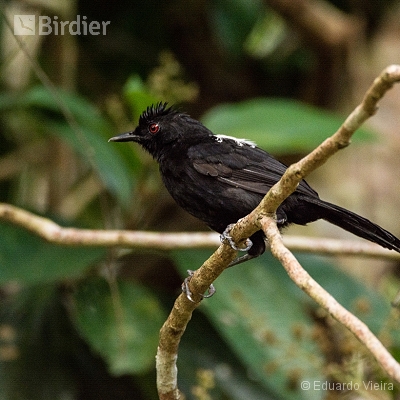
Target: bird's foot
<point x="188" y="292"/>
<point x="226" y="236"/>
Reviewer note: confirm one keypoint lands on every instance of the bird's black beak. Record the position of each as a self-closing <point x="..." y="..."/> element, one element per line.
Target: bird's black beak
<point x="124" y="137"/>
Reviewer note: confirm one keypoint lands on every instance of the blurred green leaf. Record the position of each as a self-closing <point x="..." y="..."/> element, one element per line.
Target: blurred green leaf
<point x="89" y="139"/>
<point x="232" y="21"/>
<point x="40" y="97"/>
<point x="367" y="304"/>
<point x="39" y="346"/>
<point x="362" y="301"/>
<point x="267" y="328"/>
<point x="122" y="328"/>
<point x="26" y="258"/>
<point x="203" y="350"/>
<point x="137" y="95"/>
<point x="109" y="164"/>
<point x="267" y="35"/>
<point x="277" y="125"/>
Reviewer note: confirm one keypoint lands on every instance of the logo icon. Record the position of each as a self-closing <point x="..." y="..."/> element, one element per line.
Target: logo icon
<point x="24" y="25"/>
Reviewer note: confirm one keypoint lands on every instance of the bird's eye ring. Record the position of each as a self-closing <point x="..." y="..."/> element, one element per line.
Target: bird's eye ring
<point x="154" y="128"/>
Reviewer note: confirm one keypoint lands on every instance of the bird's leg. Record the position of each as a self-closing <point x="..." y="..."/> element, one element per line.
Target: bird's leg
<point x="241" y="259"/>
<point x="226" y="236"/>
<point x="188" y="292"/>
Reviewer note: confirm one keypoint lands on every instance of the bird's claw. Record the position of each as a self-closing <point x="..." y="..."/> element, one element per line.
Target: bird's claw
<point x="188" y="292"/>
<point x="226" y="236"/>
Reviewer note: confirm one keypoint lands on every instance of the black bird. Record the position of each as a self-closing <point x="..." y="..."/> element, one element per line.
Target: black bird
<point x="220" y="179"/>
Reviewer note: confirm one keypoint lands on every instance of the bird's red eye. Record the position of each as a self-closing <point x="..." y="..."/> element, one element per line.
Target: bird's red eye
<point x="154" y="128"/>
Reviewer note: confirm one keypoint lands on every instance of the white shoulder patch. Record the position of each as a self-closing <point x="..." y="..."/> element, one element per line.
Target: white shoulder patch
<point x="239" y="142"/>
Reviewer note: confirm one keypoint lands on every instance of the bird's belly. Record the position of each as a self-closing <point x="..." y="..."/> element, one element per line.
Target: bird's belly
<point x="213" y="202"/>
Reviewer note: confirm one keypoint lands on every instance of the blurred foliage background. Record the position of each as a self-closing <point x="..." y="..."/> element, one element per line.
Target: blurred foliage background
<point x="82" y="323"/>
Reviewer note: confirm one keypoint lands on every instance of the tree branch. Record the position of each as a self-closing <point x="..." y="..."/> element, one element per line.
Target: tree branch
<point x="308" y="16"/>
<point x="327" y="246"/>
<point x="171" y="333"/>
<point x="305" y="282"/>
<point x="54" y="233"/>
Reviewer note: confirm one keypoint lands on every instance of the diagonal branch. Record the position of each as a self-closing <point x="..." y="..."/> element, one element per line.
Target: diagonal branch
<point x="172" y="331"/>
<point x="305" y="282"/>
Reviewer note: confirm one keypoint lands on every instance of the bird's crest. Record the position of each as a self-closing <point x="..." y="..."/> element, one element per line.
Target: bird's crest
<point x="155" y="111"/>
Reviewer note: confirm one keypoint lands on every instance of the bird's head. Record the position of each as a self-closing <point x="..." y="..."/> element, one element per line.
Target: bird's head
<point x="159" y="126"/>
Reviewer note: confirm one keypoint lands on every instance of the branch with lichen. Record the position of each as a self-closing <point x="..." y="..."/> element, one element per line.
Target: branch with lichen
<point x="263" y="218"/>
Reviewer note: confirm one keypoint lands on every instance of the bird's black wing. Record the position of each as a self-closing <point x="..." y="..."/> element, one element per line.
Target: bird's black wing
<point x="241" y="165"/>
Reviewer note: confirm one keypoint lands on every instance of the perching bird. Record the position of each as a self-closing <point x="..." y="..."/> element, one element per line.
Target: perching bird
<point x="220" y="179"/>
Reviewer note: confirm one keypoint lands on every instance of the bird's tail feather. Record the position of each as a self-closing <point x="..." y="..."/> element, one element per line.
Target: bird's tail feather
<point x="355" y="224"/>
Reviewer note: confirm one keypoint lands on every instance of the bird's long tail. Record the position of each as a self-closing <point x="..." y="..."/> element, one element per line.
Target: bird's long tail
<point x="355" y="224"/>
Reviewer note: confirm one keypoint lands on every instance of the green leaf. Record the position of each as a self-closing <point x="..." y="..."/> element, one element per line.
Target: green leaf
<point x="268" y="329"/>
<point x="39" y="347"/>
<point x="26" y="258"/>
<point x="137" y="95"/>
<point x="89" y="138"/>
<point x="367" y="304"/>
<point x="109" y="164"/>
<point x="267" y="35"/>
<point x="232" y="21"/>
<point x="121" y="326"/>
<point x="277" y="125"/>
<point x="203" y="350"/>
<point x="40" y="97"/>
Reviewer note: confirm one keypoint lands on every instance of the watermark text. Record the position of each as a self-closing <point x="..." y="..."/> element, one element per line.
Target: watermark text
<point x="44" y="25"/>
<point x="346" y="386"/>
